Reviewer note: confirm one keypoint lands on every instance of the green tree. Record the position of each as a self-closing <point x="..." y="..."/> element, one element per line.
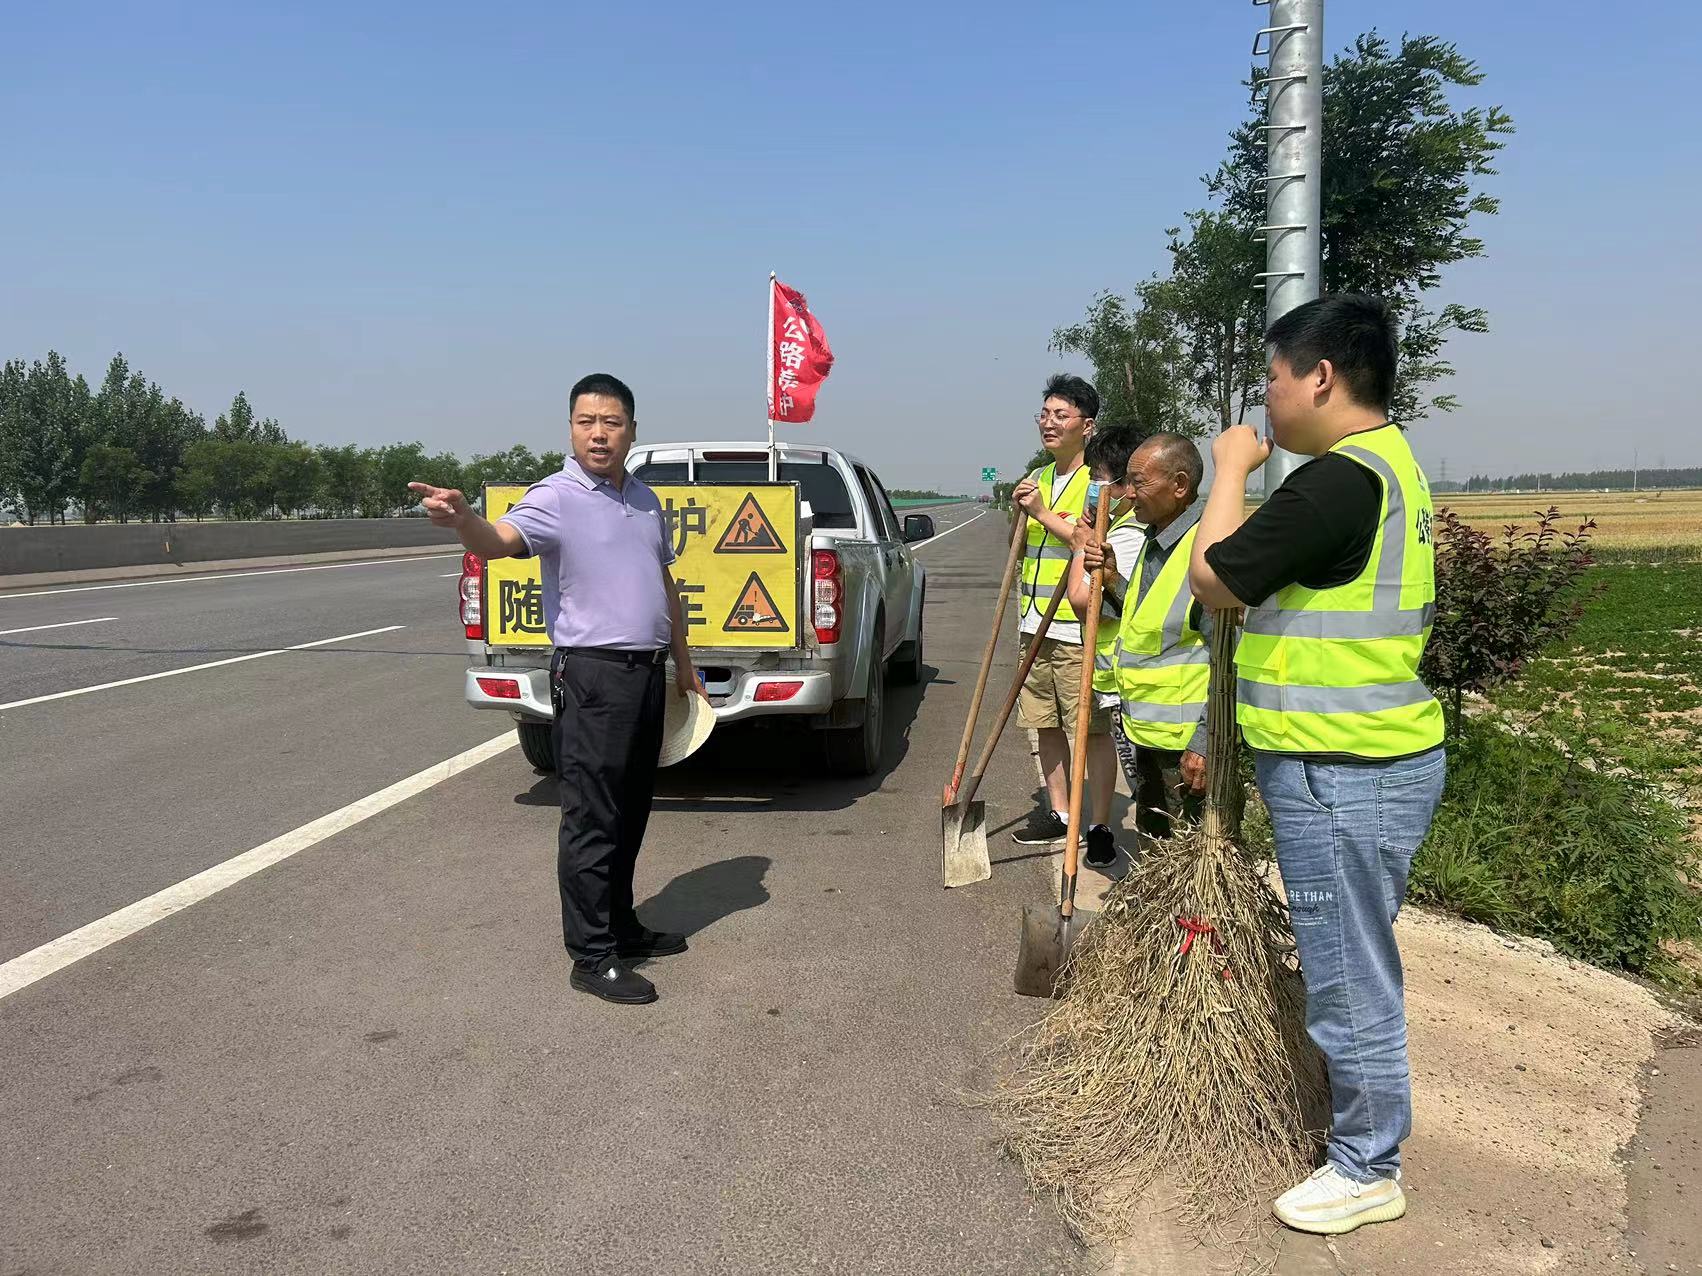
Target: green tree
<point x="113" y="481"/>
<point x="1138" y="356"/>
<point x="1219" y="316"/>
<point x="1401" y="183"/>
<point x="398" y="465"/>
<point x="13" y="383"/>
<point x="346" y="475"/>
<point x="444" y="469"/>
<point x="517" y="465"/>
<point x="228" y="473"/>
<point x="292" y="476"/>
<point x="238" y="422"/>
<point x="48" y="432"/>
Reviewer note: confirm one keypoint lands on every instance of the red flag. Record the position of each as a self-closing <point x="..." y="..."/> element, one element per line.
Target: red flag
<point x="798" y="356"/>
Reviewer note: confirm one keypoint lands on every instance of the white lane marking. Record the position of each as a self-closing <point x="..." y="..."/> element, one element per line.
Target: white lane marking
<point x="272" y="571"/>
<point x="64" y="624"/>
<point x="930" y="540"/>
<point x="447" y="575"/>
<point x="211" y="664"/>
<point x="56" y="954"/>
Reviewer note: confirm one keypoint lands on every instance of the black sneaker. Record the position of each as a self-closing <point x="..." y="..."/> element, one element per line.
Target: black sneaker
<point x="612" y="981"/>
<point x="1101" y="849"/>
<point x="643" y="943"/>
<point x="1044" y="828"/>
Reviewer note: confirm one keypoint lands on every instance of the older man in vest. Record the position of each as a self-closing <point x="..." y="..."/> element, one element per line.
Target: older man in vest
<point x="1336" y="569"/>
<point x="1161" y="653"/>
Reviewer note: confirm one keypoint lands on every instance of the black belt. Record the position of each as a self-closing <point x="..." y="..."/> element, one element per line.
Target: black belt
<point x="618" y="655"/>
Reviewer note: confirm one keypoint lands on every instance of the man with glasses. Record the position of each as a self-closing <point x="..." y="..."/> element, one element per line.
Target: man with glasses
<point x="1053" y="497"/>
<point x="613" y="612"/>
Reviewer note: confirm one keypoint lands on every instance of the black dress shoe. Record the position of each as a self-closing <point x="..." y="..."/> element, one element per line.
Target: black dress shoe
<point x="612" y="981"/>
<point x="644" y="942"/>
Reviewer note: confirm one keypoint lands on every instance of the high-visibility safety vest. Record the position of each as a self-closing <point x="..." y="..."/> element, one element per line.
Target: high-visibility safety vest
<point x="1047" y="558"/>
<point x="1336" y="670"/>
<point x="1163" y="663"/>
<point x="1105" y="646"/>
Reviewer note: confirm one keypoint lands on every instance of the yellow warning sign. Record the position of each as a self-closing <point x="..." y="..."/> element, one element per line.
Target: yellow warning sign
<point x="755" y="611"/>
<point x="719" y="533"/>
<point x="514" y="595"/>
<point x="725" y="603"/>
<point x="749" y="531"/>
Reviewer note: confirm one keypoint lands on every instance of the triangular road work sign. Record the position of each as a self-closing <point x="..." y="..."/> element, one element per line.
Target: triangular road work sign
<point x="749" y="531"/>
<point x="755" y="611"/>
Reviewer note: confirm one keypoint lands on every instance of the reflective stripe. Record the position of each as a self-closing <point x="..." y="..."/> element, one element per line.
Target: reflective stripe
<point x="1391" y="563"/>
<point x="1398" y="623"/>
<point x="1297" y="699"/>
<point x="1182" y="715"/>
<point x="1176" y="617"/>
<point x="1046" y="560"/>
<point x="1197" y="654"/>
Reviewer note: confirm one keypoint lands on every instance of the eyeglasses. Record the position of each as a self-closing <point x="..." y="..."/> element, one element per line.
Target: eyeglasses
<point x="1057" y="418"/>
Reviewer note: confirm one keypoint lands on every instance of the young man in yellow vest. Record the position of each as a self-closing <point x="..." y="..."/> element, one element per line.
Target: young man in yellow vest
<point x="1336" y="570"/>
<point x="1053" y="497"/>
<point x="1161" y="653"/>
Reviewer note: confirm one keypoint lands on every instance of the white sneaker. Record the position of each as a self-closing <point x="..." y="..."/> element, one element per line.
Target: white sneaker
<point x="1329" y="1203"/>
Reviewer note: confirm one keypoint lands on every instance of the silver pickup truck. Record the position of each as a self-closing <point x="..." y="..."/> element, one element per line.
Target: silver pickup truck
<point x="863" y="598"/>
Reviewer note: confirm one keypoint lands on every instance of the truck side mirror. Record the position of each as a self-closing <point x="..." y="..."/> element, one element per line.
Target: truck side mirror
<point x="918" y="527"/>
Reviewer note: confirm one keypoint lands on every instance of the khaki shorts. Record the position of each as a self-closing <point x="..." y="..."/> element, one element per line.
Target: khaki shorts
<point x="1053" y="688"/>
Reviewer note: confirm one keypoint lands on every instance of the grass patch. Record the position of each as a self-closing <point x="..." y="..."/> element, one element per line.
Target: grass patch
<point x="1626" y="685"/>
<point x="1529" y="840"/>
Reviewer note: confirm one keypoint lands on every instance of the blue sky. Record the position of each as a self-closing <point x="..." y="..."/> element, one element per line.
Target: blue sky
<point x="420" y="221"/>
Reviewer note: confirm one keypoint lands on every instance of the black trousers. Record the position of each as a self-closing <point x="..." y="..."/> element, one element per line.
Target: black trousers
<point x="1155" y="778"/>
<point x="608" y="734"/>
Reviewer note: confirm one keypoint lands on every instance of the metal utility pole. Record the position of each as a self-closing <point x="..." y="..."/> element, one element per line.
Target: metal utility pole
<point x="1294" y="152"/>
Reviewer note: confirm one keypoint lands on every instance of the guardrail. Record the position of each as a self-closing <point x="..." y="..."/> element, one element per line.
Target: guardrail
<point x="81" y="547"/>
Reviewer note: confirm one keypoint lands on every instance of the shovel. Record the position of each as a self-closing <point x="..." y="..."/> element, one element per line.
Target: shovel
<point x="1019" y="538"/>
<point x="1048" y="933"/>
<point x="963" y="822"/>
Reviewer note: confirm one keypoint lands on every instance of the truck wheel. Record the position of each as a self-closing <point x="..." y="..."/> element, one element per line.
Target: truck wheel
<point x="906" y="666"/>
<point x="856" y="751"/>
<point x="537" y="742"/>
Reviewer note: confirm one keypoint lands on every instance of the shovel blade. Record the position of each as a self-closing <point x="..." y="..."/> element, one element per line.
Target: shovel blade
<point x="963" y="830"/>
<point x="1047" y="937"/>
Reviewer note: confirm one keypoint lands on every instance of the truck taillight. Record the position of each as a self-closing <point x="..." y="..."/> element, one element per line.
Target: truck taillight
<point x="827" y="594"/>
<point x="472" y="591"/>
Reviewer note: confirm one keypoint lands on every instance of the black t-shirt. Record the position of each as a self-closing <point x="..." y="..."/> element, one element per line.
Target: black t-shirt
<point x="1317" y="529"/>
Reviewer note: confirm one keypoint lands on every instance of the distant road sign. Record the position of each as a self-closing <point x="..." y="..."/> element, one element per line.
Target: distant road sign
<point x="989" y="474"/>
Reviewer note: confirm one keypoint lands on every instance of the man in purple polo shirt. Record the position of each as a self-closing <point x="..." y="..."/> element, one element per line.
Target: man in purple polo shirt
<point x="613" y="612"/>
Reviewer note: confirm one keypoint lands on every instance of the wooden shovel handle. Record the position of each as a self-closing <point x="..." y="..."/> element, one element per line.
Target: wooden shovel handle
<point x="1084" y="714"/>
<point x="1028" y="659"/>
<point x="1019" y="539"/>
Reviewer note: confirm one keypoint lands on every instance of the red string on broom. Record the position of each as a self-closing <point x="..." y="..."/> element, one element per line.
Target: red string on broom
<point x="1199" y="928"/>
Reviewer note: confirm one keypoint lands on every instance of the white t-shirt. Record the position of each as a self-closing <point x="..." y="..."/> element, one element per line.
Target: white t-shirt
<point x="1126" y="542"/>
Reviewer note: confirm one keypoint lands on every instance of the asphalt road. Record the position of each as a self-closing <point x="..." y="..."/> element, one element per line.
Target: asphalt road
<point x="367" y="1056"/>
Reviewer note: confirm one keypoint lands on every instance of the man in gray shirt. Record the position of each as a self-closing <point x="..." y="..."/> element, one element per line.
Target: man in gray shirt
<point x="613" y="612"/>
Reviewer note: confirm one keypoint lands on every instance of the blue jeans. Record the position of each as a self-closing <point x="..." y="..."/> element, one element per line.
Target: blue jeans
<point x="1345" y="837"/>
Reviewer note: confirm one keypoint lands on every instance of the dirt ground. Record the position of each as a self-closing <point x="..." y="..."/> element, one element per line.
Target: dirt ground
<point x="1557" y="1124"/>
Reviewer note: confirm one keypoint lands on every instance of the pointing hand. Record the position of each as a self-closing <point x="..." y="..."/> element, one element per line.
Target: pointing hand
<point x="445" y="506"/>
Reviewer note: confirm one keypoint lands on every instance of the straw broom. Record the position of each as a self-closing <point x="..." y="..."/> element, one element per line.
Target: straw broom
<point x="1178" y="1052"/>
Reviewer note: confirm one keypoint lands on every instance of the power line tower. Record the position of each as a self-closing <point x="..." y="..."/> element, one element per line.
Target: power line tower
<point x="1294" y="154"/>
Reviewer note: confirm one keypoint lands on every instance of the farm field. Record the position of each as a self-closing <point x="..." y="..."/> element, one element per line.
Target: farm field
<point x="1664" y="521"/>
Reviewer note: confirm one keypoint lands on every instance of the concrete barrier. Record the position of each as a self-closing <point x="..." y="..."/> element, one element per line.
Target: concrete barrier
<point x="78" y="547"/>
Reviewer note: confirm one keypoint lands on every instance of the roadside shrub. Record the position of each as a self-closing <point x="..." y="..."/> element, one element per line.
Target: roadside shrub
<point x="1529" y="840"/>
<point x="1500" y="602"/>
